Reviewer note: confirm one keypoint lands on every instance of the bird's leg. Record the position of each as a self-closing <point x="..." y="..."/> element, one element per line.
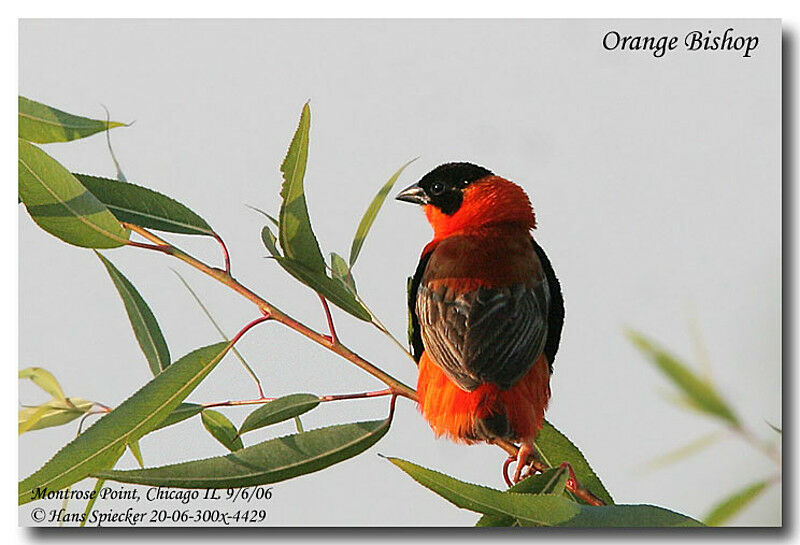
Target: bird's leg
<point x="525" y="455"/>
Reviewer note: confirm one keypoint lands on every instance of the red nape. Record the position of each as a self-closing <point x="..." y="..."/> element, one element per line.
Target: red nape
<point x="453" y="412"/>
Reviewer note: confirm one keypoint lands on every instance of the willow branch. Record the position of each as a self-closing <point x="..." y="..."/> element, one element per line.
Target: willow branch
<point x="275" y="313"/>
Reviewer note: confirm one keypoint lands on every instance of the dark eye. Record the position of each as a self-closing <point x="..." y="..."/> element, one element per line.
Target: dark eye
<point x="437" y="188"/>
<point x="464" y="183"/>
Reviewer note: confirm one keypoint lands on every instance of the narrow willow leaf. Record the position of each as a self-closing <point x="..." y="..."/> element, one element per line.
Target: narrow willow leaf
<point x="295" y="234"/>
<point x="53" y="413"/>
<point x="61" y="205"/>
<point x="730" y="506"/>
<point x="775" y="428"/>
<point x="144" y="207"/>
<point x="179" y="414"/>
<point x="105" y="440"/>
<point x="45" y="380"/>
<point x="333" y="290"/>
<point x="693" y="447"/>
<point x="281" y="409"/>
<point x="540" y="509"/>
<point x="700" y="392"/>
<point x="29" y="419"/>
<point x="552" y="481"/>
<point x="270" y="241"/>
<point x="554" y="448"/>
<point x="133" y="446"/>
<point x="270" y="217"/>
<point x="222" y="334"/>
<point x="372" y="212"/>
<point x="341" y="272"/>
<point x="44" y="124"/>
<point x="144" y="323"/>
<point x="120" y="175"/>
<point x="268" y="462"/>
<point x="90" y="504"/>
<point x="222" y="429"/>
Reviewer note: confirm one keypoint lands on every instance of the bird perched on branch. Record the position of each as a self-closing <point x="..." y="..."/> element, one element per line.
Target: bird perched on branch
<point x="486" y="310"/>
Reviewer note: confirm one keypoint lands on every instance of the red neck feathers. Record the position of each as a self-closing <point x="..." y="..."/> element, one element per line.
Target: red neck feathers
<point x="488" y="201"/>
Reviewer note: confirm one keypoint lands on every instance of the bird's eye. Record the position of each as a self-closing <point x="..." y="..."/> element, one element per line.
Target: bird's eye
<point x="464" y="183"/>
<point x="437" y="188"/>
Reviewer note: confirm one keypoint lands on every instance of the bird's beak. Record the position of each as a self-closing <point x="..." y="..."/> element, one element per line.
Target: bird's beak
<point x="413" y="194"/>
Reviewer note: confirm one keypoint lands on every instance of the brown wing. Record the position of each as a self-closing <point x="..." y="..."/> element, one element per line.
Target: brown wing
<point x="485" y="335"/>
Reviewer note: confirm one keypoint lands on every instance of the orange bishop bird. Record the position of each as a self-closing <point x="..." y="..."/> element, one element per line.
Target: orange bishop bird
<point x="486" y="310"/>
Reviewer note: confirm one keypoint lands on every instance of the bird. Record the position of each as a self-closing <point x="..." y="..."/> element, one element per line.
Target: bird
<point x="485" y="310"/>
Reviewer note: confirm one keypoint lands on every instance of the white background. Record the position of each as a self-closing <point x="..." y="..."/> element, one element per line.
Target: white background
<point x="655" y="183"/>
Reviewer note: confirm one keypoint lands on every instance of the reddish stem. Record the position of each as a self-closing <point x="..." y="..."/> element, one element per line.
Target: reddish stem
<point x="165" y="248"/>
<point x="361" y="395"/>
<point x="333" y="337"/>
<point x="224" y="253"/>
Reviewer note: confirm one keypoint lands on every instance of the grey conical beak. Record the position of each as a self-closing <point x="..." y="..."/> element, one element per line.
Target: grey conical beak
<point x="413" y="194"/>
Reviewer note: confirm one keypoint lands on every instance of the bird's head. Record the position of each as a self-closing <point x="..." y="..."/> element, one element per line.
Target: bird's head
<point x="459" y="196"/>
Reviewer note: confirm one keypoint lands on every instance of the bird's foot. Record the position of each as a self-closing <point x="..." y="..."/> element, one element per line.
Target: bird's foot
<point x="525" y="456"/>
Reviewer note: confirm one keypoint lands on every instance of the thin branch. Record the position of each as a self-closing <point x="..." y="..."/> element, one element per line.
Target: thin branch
<point x="264" y="400"/>
<point x="225" y="253"/>
<point x="334" y="338"/>
<point x="236" y="352"/>
<point x="279" y="316"/>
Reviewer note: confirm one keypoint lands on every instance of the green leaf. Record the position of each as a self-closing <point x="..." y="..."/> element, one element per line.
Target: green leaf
<point x="341" y="272"/>
<point x="268" y="462"/>
<point x="45" y="380"/>
<point x="540" y="509"/>
<point x="281" y="409"/>
<point x="61" y="205"/>
<point x="90" y="504"/>
<point x="270" y="241"/>
<point x="693" y="447"/>
<point x="133" y="446"/>
<point x="222" y="429"/>
<point x="372" y="212"/>
<point x="144" y="207"/>
<point x="554" y="448"/>
<point x="219" y="329"/>
<point x="145" y="326"/>
<point x="295" y="234"/>
<point x="270" y="217"/>
<point x="179" y="414"/>
<point x="44" y="124"/>
<point x="53" y="413"/>
<point x="697" y="391"/>
<point x="333" y="290"/>
<point x="730" y="506"/>
<point x="105" y="440"/>
<point x="552" y="481"/>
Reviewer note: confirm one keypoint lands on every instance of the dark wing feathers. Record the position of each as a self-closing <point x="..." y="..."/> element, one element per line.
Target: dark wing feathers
<point x="487" y="335"/>
<point x="414" y="335"/>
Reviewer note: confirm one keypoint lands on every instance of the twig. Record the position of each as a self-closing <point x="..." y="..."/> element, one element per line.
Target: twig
<point x="224" y="253"/>
<point x="236" y="352"/>
<point x="334" y="338"/>
<point x="279" y="316"/>
<point x="263" y="400"/>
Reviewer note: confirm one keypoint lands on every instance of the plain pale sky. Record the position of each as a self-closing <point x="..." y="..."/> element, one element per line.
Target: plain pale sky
<point x="656" y="183"/>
